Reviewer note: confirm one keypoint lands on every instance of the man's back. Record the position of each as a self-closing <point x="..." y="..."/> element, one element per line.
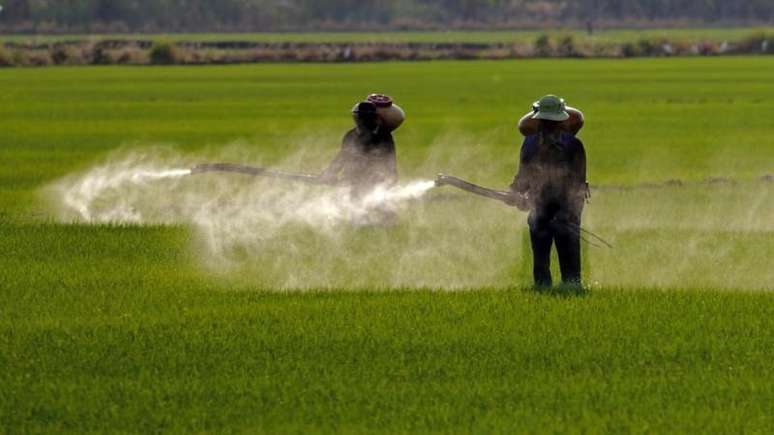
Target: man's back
<point x="552" y="171"/>
<point x="552" y="182"/>
<point x="368" y="159"/>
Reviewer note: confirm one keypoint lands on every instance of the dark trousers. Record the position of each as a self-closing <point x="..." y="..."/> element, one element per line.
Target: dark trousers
<point x="566" y="234"/>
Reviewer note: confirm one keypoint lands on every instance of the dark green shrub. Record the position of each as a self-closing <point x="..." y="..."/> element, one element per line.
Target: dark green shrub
<point x="543" y="46"/>
<point x="165" y="54"/>
<point x="630" y="49"/>
<point x="647" y="47"/>
<point x="567" y="47"/>
<point x="60" y="54"/>
<point x="101" y="57"/>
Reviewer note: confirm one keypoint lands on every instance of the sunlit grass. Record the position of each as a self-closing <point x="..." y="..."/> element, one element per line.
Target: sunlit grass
<point x="426" y="326"/>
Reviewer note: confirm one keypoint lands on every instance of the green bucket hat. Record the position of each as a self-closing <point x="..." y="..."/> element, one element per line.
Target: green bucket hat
<point x="551" y="108"/>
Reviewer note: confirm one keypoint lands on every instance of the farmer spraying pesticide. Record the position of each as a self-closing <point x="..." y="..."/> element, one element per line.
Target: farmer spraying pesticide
<point x="367" y="158"/>
<point x="367" y="162"/>
<point x="551" y="184"/>
<point x="365" y="167"/>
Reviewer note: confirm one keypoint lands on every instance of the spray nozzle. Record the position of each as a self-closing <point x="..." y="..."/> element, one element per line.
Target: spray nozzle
<point x="441" y="180"/>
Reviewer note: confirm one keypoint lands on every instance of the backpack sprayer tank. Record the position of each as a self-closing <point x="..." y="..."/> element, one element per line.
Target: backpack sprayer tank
<point x="391" y="114"/>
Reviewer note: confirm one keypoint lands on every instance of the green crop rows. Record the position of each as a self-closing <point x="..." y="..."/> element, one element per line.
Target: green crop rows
<point x="426" y="326"/>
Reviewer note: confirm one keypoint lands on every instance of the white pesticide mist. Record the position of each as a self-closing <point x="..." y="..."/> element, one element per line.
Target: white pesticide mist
<point x="110" y="193"/>
<point x="237" y="218"/>
<point x="278" y="234"/>
<point x="138" y="189"/>
<point x="86" y="195"/>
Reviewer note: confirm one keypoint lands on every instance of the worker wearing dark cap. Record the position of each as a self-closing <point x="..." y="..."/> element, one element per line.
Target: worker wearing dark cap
<point x="551" y="184"/>
<point x="367" y="157"/>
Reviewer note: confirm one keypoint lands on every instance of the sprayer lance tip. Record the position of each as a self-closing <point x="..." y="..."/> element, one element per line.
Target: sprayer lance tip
<point x="198" y="169"/>
<point x="441" y="180"/>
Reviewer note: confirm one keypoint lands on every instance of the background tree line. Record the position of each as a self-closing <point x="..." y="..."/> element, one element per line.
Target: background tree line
<point x="273" y="15"/>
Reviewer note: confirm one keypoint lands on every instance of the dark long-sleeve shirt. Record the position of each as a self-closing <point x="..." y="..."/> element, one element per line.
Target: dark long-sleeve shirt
<point x="552" y="173"/>
<point x="366" y="160"/>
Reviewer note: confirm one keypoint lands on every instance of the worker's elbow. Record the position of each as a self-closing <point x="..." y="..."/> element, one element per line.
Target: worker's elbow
<point x="527" y="129"/>
<point x="528" y="126"/>
<point x="575" y="122"/>
<point x="579" y="125"/>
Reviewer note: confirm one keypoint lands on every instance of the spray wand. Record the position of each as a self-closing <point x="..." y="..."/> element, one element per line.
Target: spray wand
<point x="259" y="171"/>
<point x="513" y="199"/>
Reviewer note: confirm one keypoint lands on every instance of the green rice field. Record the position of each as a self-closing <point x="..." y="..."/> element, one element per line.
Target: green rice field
<point x="200" y="304"/>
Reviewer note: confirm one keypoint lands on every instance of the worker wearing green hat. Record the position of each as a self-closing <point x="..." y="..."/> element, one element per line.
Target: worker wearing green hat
<point x="551" y="184"/>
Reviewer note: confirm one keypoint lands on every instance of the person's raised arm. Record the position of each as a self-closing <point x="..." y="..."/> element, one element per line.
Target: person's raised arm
<point x="527" y="125"/>
<point x="575" y="122"/>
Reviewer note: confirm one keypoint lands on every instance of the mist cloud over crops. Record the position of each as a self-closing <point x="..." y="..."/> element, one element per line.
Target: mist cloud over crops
<point x="288" y="235"/>
<point x="234" y="216"/>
